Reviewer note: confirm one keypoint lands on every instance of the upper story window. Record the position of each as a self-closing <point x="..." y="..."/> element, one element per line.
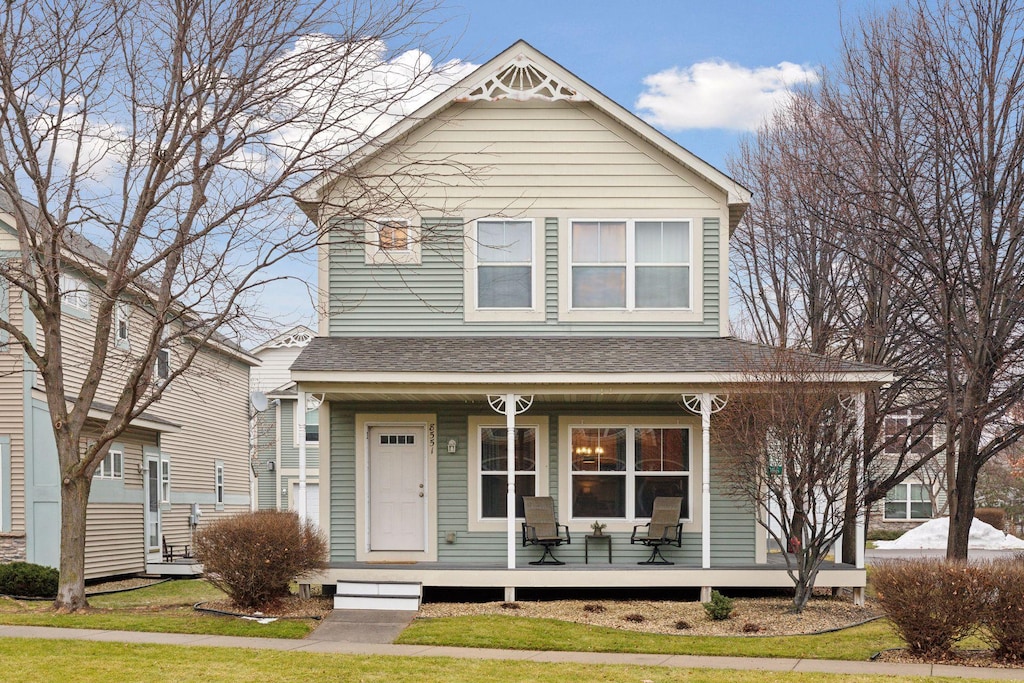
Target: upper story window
<point x="505" y="256"/>
<point x="74" y="293"/>
<point x="391" y="241"/>
<point x="908" y="501"/>
<point x="112" y="466"/>
<point x="313" y="425"/>
<point x="630" y="264"/>
<point x="121" y="328"/>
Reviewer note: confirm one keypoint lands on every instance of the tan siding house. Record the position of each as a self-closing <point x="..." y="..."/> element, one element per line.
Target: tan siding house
<point x="161" y="471"/>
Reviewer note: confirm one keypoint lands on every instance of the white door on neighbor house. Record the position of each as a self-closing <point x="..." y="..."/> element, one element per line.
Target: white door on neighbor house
<point x="312" y="501"/>
<point x="397" y="488"/>
<point x="152" y="485"/>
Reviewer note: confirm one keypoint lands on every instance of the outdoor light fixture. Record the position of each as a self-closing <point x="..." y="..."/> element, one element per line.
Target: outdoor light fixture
<point x="270" y="466"/>
<point x="452" y="445"/>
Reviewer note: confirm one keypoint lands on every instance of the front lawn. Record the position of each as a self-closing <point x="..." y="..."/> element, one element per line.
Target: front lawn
<point x="518" y="633"/>
<point x="39" y="661"/>
<point x="165" y="607"/>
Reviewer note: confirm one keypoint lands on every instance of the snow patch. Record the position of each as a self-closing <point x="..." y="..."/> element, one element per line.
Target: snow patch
<point x="932" y="536"/>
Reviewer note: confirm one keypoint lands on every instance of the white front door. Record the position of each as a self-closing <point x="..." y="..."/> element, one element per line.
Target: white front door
<point x="312" y="501"/>
<point x="397" y="486"/>
<point x="152" y="485"/>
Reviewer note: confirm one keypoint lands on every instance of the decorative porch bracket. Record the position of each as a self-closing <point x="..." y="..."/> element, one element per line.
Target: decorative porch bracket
<point x="705" y="404"/>
<point x="510" y="405"/>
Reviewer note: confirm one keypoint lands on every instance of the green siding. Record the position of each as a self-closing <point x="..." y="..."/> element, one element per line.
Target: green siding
<point x="732" y="523"/>
<point x="427" y="298"/>
<point x="266" y="451"/>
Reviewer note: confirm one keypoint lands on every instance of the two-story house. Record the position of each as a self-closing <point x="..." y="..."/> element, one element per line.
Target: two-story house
<point x="184" y="462"/>
<point x="278" y="429"/>
<point x="547" y="305"/>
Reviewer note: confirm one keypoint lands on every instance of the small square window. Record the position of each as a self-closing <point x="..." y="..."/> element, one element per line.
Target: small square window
<point x="393" y="236"/>
<point x="112" y="466"/>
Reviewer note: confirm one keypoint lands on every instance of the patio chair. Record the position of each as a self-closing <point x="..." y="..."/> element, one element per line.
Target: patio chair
<point x="169" y="551"/>
<point x="663" y="529"/>
<point x="541" y="527"/>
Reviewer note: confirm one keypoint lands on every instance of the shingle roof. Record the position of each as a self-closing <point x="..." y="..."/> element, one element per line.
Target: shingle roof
<point x="554" y="354"/>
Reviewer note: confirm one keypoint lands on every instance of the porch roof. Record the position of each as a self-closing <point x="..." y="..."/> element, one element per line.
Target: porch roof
<point x="490" y="356"/>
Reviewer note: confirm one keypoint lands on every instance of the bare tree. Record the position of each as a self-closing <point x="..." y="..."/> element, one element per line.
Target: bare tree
<point x="152" y="147"/>
<point x="790" y="437"/>
<point x="932" y="98"/>
<point x="807" y="274"/>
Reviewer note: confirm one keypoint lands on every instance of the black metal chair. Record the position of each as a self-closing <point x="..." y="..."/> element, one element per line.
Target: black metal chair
<point x="663" y="529"/>
<point x="542" y="528"/>
<point x="168" y="551"/>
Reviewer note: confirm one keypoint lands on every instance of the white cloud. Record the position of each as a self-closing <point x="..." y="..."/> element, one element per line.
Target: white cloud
<point x="717" y="94"/>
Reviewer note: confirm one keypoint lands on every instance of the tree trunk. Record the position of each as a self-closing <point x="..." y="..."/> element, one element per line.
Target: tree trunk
<point x="74" y="497"/>
<point x="961" y="509"/>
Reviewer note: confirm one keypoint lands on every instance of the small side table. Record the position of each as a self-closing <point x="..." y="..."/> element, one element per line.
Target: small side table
<point x="603" y="538"/>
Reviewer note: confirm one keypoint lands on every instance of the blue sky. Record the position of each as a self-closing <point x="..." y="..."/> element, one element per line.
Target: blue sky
<point x="615" y="45"/>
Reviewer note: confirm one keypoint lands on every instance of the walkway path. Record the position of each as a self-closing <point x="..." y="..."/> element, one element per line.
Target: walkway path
<point x="313" y="644"/>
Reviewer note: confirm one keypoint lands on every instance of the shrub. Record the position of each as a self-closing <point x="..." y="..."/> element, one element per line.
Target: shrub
<point x="510" y="605"/>
<point x="254" y="556"/>
<point x="27" y="580"/>
<point x="720" y="607"/>
<point x="1003" y="611"/>
<point x="932" y="603"/>
<point x="683" y="625"/>
<point x="884" y="534"/>
<point x="635" y="618"/>
<point x="751" y="627"/>
<point x="594" y="607"/>
<point x="994" y="516"/>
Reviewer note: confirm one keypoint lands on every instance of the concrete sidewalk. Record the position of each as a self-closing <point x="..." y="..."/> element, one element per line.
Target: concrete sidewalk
<point x="680" y="661"/>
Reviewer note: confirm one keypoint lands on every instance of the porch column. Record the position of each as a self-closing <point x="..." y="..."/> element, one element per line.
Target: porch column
<point x="511" y="405"/>
<point x="300" y="407"/>
<point x="859" y="560"/>
<point x="705" y="403"/>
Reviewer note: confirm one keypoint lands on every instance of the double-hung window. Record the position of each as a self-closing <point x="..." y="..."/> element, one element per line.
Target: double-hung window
<point x="121" y="328"/>
<point x="218" y="484"/>
<point x="112" y="466"/>
<point x="494" y="469"/>
<point x="74" y="293"/>
<point x="618" y="471"/>
<point x="313" y="425"/>
<point x="165" y="481"/>
<point x="908" y="501"/>
<point x="504" y="272"/>
<point x="630" y="264"/>
<point x="163" y="363"/>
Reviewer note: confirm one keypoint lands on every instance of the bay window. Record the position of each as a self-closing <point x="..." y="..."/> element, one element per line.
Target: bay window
<point x="630" y="264"/>
<point x="618" y="471"/>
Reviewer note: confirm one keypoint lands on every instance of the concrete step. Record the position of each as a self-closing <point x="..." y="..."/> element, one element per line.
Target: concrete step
<point x="374" y="595"/>
<point x="389" y="603"/>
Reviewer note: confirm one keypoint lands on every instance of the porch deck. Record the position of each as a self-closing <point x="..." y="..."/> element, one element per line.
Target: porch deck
<point x="772" y="574"/>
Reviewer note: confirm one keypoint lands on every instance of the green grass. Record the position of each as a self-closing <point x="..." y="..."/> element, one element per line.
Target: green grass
<point x="40" y="661"/>
<point x="519" y="633"/>
<point x="165" y="607"/>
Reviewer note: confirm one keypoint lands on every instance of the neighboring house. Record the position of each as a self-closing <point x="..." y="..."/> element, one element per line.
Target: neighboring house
<point x="557" y="281"/>
<point x="922" y="496"/>
<point x="276" y="429"/>
<point x="187" y="453"/>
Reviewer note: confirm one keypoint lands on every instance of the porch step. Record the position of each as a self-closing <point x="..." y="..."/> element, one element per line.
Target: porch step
<point x="378" y="595"/>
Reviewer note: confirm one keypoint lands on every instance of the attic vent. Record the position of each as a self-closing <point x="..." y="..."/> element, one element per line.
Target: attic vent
<point x="523" y="80"/>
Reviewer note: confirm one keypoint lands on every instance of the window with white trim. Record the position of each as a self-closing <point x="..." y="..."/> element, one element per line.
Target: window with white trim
<point x="617" y="471"/>
<point x="112" y="466"/>
<point x="163" y="363"/>
<point x="393" y="235"/>
<point x="313" y="426"/>
<point x="74" y="292"/>
<point x="505" y="268"/>
<point x="391" y="241"/>
<point x="908" y="501"/>
<point x="493" y="470"/>
<point x="630" y="264"/>
<point x="121" y="328"/>
<point x="165" y="481"/>
<point x="218" y="484"/>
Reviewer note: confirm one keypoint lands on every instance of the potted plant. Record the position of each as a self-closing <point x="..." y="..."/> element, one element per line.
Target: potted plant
<point x="598" y="528"/>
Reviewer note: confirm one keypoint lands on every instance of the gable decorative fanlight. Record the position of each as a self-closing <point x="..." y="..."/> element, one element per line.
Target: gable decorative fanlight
<point x="298" y="338"/>
<point x="523" y="80"/>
